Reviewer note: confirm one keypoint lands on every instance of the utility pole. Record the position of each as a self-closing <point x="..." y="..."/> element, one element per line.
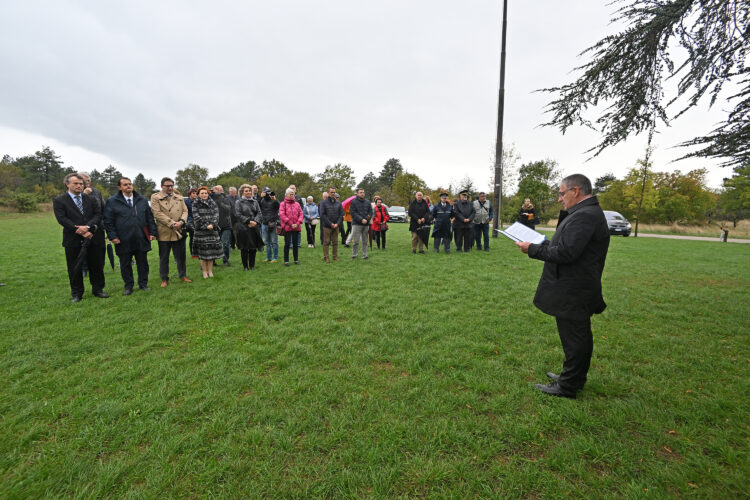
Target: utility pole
<point x="497" y="223"/>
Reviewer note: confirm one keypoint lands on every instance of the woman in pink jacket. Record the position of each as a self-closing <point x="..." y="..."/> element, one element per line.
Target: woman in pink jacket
<point x="291" y="217"/>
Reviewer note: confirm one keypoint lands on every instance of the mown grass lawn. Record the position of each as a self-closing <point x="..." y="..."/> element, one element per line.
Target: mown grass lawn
<point x="398" y="376"/>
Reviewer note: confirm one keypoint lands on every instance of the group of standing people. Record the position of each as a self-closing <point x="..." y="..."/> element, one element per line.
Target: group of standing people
<point x="246" y="219"/>
<point x="466" y="222"/>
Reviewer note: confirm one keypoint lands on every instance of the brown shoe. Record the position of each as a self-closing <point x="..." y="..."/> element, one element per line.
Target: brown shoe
<point x="186" y="280"/>
<point x="335" y="259"/>
<point x="326" y="260"/>
<point x="164" y="284"/>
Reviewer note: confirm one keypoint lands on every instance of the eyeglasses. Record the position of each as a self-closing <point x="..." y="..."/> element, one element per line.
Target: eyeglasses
<point x="562" y="193"/>
<point x="167" y="185"/>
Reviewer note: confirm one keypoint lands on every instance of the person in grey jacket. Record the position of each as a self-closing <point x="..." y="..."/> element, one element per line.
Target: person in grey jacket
<point x="483" y="215"/>
<point x="361" y="211"/>
<point x="312" y="218"/>
<point x="331" y="216"/>
<point x="570" y="288"/>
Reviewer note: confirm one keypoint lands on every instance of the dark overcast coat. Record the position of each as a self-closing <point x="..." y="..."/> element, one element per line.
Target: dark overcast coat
<point x="129" y="225"/>
<point x="571" y="282"/>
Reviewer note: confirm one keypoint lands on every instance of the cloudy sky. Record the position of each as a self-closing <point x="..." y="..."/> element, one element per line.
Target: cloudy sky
<point x="152" y="86"/>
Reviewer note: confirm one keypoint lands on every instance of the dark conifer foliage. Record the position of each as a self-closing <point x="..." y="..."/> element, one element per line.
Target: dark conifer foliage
<point x="626" y="74"/>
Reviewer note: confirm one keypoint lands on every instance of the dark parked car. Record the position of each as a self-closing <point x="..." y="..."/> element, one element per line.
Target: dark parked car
<point x="398" y="214"/>
<point x="617" y="223"/>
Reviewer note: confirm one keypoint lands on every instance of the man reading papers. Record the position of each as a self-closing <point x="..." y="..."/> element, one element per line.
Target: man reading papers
<point x="570" y="288"/>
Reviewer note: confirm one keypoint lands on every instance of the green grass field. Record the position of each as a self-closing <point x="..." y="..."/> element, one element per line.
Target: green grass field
<point x="400" y="376"/>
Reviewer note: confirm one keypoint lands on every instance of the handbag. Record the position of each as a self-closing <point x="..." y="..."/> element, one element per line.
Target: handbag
<point x="314" y="222"/>
<point x="280" y="230"/>
<point x="383" y="226"/>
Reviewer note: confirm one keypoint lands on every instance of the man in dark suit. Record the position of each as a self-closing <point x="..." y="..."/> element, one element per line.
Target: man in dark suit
<point x="81" y="219"/>
<point x="570" y="288"/>
<point x="130" y="226"/>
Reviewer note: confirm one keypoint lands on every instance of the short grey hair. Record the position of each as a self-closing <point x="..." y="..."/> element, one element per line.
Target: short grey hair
<point x="580" y="181"/>
<point x="288" y="192"/>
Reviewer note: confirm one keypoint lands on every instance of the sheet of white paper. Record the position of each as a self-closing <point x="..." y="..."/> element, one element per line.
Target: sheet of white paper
<point x="519" y="232"/>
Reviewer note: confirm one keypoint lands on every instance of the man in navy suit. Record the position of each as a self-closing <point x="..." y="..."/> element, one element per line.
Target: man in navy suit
<point x="81" y="219"/>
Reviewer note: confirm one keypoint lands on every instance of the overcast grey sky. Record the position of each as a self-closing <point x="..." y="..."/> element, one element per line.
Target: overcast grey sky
<point x="152" y="86"/>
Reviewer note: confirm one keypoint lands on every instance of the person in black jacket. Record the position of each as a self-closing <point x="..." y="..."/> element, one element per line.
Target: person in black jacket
<point x="463" y="223"/>
<point x="570" y="288"/>
<point x="131" y="227"/>
<point x="247" y="227"/>
<point x="527" y="214"/>
<point x="331" y="216"/>
<point x="269" y="216"/>
<point x="80" y="216"/>
<point x="97" y="196"/>
<point x="361" y="211"/>
<point x="226" y="219"/>
<point x="419" y="212"/>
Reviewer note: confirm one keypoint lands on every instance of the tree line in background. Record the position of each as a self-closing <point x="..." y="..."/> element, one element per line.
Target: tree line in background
<point x="663" y="197"/>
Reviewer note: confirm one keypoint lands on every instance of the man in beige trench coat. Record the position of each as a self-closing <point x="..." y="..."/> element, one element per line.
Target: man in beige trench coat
<point x="170" y="214"/>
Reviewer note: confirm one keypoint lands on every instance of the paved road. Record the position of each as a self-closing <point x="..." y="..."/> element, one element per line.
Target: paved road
<point x="672" y="237"/>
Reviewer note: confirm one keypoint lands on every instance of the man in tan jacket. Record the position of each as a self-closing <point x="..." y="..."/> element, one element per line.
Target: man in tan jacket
<point x="170" y="214"/>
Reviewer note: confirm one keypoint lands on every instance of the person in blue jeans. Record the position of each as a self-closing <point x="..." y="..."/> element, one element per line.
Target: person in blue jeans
<point x="271" y="241"/>
<point x="269" y="208"/>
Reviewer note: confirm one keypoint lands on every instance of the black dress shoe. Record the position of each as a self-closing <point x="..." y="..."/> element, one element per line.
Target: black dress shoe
<point x="552" y="389"/>
<point x="127" y="291"/>
<point x="75" y="299"/>
<point x="145" y="288"/>
<point x="101" y="295"/>
<point x="552" y="376"/>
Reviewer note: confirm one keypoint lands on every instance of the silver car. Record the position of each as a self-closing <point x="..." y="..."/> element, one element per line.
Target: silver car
<point x="617" y="223"/>
<point x="397" y="214"/>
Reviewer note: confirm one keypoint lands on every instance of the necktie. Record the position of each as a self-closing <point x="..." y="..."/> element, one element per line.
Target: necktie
<point x="130" y="202"/>
<point x="79" y="204"/>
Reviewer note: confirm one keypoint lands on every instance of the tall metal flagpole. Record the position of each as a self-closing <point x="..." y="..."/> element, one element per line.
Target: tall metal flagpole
<point x="497" y="223"/>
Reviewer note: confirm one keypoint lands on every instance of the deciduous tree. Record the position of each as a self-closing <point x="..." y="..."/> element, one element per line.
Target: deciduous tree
<point x="191" y="176"/>
<point x="734" y="201"/>
<point x="273" y="168"/>
<point x="405" y="187"/>
<point x="539" y="181"/>
<point x="339" y="176"/>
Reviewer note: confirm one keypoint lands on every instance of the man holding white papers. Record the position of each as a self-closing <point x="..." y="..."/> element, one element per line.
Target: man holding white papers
<point x="570" y="288"/>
